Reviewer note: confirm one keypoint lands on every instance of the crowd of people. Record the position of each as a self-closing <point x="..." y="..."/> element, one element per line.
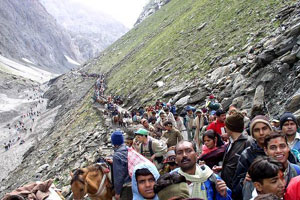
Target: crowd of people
<point x="19" y="128"/>
<point x="205" y="153"/>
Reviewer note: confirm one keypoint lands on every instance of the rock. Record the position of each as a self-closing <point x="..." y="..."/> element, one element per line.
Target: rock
<point x="226" y="102"/>
<point x="178" y="96"/>
<point x="174" y="90"/>
<point x="220" y="72"/>
<point x="238" y="101"/>
<point x="289" y="59"/>
<point x="267" y="77"/>
<point x="283" y="68"/>
<point x="197" y="98"/>
<point x="160" y="83"/>
<point x="42" y="168"/>
<point x="265" y="58"/>
<point x="201" y="26"/>
<point x="258" y="101"/>
<point x="293" y="103"/>
<point x="297" y="115"/>
<point x="183" y="101"/>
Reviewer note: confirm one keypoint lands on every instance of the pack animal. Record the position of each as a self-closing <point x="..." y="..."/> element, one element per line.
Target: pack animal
<point x="93" y="181"/>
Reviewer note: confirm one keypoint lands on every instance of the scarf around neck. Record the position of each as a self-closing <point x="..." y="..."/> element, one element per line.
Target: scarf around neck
<point x="199" y="190"/>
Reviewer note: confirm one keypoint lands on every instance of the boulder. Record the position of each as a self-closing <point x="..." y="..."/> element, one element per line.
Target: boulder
<point x="293" y="103"/>
<point x="179" y="96"/>
<point x="174" y="90"/>
<point x="183" y="101"/>
<point x="198" y="97"/>
<point x="221" y="72"/>
<point x="238" y="101"/>
<point x="258" y="101"/>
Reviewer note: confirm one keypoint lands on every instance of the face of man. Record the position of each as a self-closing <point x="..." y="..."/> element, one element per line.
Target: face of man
<point x="186" y="156"/>
<point x="146" y="124"/>
<point x="190" y="112"/>
<point x="198" y="114"/>
<point x="146" y="186"/>
<point x="140" y="138"/>
<point x="278" y="149"/>
<point x="260" y="131"/>
<point x="221" y="118"/>
<point x="168" y="127"/>
<point x="275" y="185"/>
<point x="289" y="128"/>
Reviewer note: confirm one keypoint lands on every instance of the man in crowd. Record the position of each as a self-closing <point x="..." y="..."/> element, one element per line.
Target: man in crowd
<point x="288" y="124"/>
<point x="267" y="177"/>
<point x="149" y="127"/>
<point x="276" y="146"/>
<point x="203" y="183"/>
<point x="190" y="122"/>
<point x="259" y="129"/>
<point x="238" y="142"/>
<point x="151" y="148"/>
<point x="170" y="116"/>
<point x="143" y="179"/>
<point x="218" y="125"/>
<point x="172" y="135"/>
<point x="120" y="167"/>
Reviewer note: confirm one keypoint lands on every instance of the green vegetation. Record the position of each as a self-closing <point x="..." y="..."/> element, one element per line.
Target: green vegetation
<point x="174" y="33"/>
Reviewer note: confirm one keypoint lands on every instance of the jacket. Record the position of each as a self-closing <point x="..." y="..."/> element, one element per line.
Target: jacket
<point x="244" y="162"/>
<point x="210" y="190"/>
<point x="231" y="158"/>
<point x="120" y="168"/>
<point x="173" y="137"/>
<point x="135" y="191"/>
<point x="293" y="189"/>
<point x="216" y="126"/>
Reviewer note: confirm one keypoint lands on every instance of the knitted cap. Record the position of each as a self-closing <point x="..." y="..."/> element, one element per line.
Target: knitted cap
<point x="259" y="118"/>
<point x="287" y="117"/>
<point x="117" y="137"/>
<point x="235" y="122"/>
<point x="141" y="131"/>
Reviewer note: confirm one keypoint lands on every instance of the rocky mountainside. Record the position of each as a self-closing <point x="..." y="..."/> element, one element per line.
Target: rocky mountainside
<point x="245" y="53"/>
<point x="92" y="31"/>
<point x="151" y="8"/>
<point x="28" y="32"/>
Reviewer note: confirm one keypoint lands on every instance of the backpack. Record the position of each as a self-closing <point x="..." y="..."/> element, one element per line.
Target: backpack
<point x="158" y="159"/>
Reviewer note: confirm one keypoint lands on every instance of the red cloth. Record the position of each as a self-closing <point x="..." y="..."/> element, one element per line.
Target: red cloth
<point x="135" y="158"/>
<point x="206" y="150"/>
<point x="216" y="126"/>
<point x="293" y="189"/>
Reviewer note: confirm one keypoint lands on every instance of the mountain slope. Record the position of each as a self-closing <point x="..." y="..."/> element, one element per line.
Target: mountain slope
<point x="91" y="31"/>
<point x="246" y="54"/>
<point x="28" y="31"/>
<point x="183" y="41"/>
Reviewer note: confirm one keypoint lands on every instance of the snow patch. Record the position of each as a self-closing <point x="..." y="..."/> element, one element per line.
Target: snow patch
<point x="28" y="61"/>
<point x="70" y="60"/>
<point x="25" y="70"/>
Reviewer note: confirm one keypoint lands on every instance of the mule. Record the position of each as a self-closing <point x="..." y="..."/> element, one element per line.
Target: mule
<point x="93" y="181"/>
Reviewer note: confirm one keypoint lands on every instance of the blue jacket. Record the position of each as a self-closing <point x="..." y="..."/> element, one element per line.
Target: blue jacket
<point x="120" y="168"/>
<point x="210" y="190"/>
<point x="155" y="173"/>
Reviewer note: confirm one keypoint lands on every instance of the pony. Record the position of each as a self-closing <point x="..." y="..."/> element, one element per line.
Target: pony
<point x="92" y="181"/>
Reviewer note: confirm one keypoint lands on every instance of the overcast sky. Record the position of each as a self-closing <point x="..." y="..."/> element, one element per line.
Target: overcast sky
<point x="125" y="11"/>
